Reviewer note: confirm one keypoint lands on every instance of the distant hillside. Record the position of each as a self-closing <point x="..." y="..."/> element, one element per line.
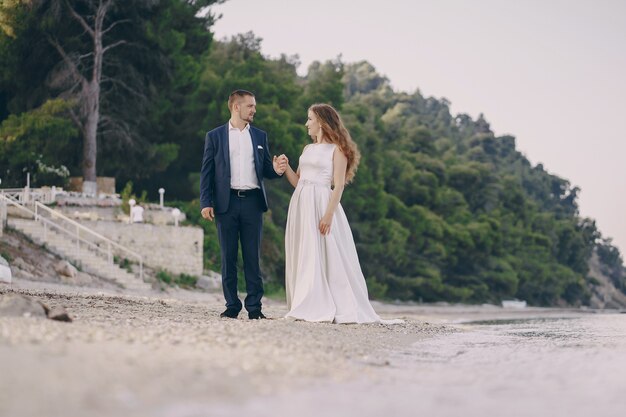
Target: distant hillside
<point x="604" y="293"/>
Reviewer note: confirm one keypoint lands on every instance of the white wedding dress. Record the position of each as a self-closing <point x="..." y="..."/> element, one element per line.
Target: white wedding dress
<point x="323" y="278"/>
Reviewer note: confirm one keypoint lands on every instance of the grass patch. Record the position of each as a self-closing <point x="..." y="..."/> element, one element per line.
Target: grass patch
<point x="123" y="263"/>
<point x="180" y="280"/>
<point x="591" y="280"/>
<point x="275" y="291"/>
<point x="6" y="256"/>
<point x="76" y="265"/>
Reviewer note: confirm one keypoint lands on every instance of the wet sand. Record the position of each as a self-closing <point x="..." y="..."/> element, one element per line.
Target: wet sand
<point x="537" y="367"/>
<point x="168" y="354"/>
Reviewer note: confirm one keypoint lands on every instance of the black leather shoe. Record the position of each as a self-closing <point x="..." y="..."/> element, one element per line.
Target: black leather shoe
<point x="229" y="313"/>
<point x="256" y="315"/>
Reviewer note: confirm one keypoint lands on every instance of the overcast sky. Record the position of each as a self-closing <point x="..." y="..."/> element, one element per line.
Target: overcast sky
<point x="550" y="72"/>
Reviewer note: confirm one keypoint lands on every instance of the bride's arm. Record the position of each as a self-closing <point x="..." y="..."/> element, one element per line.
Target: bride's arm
<point x="292" y="176"/>
<point x="340" y="163"/>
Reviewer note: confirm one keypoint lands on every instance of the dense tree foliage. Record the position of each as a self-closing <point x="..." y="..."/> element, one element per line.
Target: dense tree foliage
<point x="152" y="67"/>
<point x="441" y="208"/>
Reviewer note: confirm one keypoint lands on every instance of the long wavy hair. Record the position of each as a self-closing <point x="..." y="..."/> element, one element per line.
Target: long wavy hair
<point x="335" y="132"/>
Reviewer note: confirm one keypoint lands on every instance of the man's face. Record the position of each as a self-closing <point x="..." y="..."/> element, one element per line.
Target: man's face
<point x="247" y="108"/>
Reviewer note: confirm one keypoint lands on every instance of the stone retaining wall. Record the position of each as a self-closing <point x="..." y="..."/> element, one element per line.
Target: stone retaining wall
<point x="176" y="249"/>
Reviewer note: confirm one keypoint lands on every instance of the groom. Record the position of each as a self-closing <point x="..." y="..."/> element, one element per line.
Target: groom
<point x="236" y="159"/>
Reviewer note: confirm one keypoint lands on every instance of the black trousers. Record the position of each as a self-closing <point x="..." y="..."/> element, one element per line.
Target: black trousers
<point x="243" y="223"/>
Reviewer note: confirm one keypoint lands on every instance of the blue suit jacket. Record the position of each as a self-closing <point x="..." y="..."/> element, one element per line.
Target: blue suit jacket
<point x="215" y="172"/>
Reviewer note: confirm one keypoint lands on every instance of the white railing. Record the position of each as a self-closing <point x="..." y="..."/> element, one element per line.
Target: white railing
<point x="54" y="220"/>
<point x="29" y="195"/>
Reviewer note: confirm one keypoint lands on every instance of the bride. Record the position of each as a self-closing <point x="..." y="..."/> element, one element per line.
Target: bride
<point x="324" y="281"/>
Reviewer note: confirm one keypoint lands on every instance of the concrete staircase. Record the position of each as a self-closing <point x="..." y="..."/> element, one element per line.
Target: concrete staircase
<point x="66" y="247"/>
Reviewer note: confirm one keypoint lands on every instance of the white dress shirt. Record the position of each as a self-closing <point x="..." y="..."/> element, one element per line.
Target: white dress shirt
<point x="242" y="172"/>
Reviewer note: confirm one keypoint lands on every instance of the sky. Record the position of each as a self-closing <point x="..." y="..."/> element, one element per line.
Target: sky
<point x="552" y="73"/>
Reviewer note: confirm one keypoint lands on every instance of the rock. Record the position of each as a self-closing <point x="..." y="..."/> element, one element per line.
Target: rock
<point x="604" y="294"/>
<point x="59" y="314"/>
<point x="15" y="305"/>
<point x="56" y="313"/>
<point x="22" y="264"/>
<point x="20" y="273"/>
<point x="65" y="269"/>
<point x="212" y="281"/>
<point x="5" y="271"/>
<point x="82" y="278"/>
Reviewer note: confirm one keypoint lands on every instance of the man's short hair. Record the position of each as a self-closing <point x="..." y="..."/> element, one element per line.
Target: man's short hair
<point x="236" y="95"/>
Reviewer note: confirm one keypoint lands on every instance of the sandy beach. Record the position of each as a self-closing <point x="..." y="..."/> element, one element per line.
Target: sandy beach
<point x="169" y="354"/>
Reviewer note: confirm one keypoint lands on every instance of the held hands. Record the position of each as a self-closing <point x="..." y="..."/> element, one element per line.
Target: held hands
<point x="208" y="213"/>
<point x="325" y="224"/>
<point x="280" y="163"/>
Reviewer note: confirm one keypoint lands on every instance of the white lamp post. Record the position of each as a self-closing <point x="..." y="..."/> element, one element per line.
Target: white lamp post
<point x="176" y="214"/>
<point x="2" y="216"/>
<point x="26" y="192"/>
<point x="131" y="203"/>
<point x="161" y="192"/>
